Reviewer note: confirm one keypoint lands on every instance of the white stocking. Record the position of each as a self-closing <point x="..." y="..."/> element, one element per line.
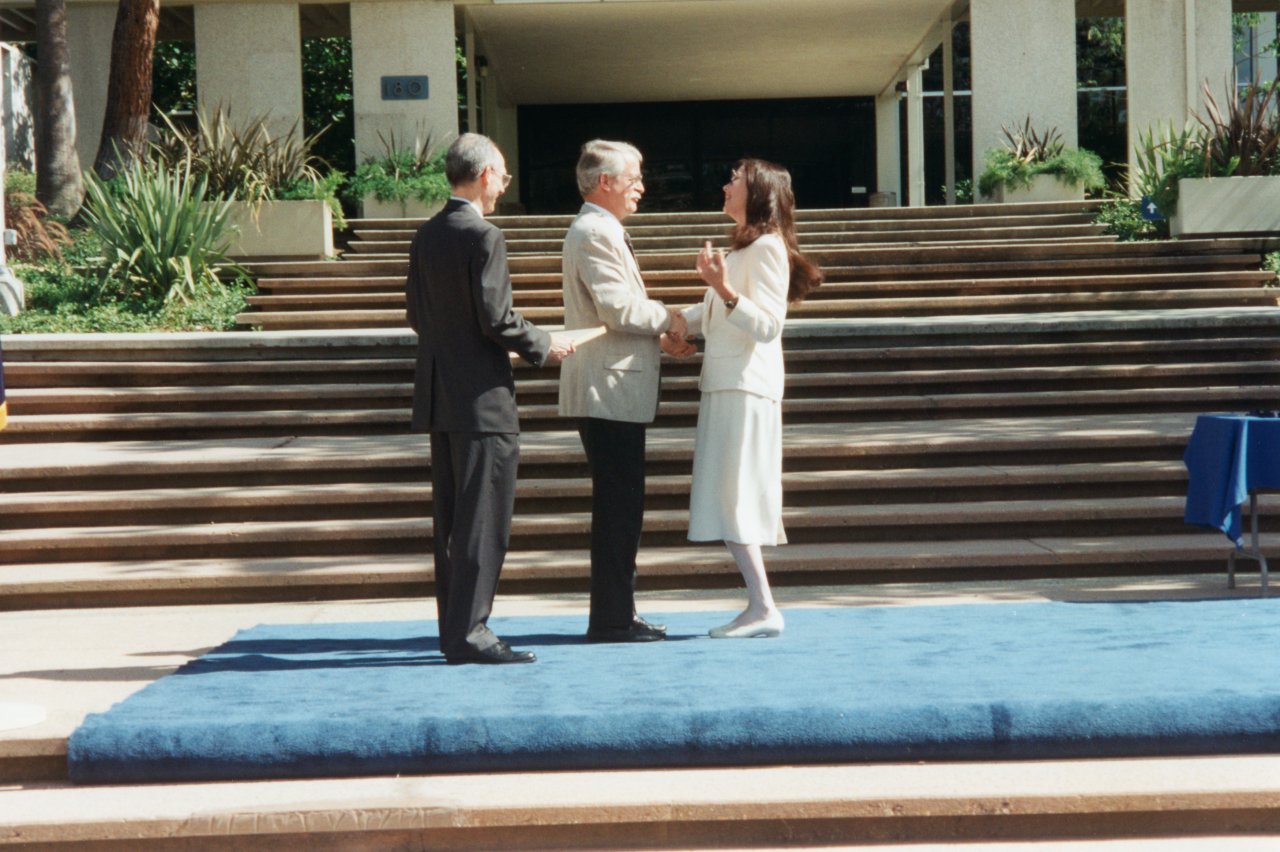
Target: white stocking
<point x="751" y="564"/>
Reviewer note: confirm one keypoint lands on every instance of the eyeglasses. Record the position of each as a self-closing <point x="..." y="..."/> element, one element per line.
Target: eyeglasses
<point x="629" y="180"/>
<point x="505" y="178"/>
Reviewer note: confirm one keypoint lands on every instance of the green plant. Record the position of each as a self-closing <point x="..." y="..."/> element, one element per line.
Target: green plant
<point x="1161" y="161"/>
<point x="70" y="295"/>
<point x="1028" y="153"/>
<point x="1272" y="262"/>
<point x="1122" y="216"/>
<point x="159" y="236"/>
<point x="1244" y="139"/>
<point x="241" y="161"/>
<point x="323" y="189"/>
<point x="36" y="233"/>
<point x="402" y="173"/>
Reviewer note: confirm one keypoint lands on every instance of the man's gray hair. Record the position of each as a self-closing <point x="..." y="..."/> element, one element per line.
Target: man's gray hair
<point x="468" y="156"/>
<point x="600" y="157"/>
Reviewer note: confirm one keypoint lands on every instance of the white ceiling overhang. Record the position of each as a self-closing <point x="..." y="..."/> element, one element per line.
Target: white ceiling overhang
<point x="591" y="51"/>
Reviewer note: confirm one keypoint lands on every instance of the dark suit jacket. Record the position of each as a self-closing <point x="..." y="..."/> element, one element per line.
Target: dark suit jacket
<point x="459" y="303"/>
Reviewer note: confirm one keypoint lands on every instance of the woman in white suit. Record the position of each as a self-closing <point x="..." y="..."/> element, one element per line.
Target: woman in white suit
<point x="737" y="464"/>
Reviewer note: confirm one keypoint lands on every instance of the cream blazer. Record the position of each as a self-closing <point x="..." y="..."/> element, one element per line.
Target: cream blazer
<point x="744" y="346"/>
<point x="615" y="376"/>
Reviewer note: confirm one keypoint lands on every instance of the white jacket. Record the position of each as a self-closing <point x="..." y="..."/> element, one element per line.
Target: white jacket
<point x="613" y="377"/>
<point x="744" y="346"/>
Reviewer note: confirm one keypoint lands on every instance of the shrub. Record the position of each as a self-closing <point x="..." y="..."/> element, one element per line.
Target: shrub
<point x="1243" y="140"/>
<point x="1272" y="262"/>
<point x="244" y="162"/>
<point x="37" y="235"/>
<point x="1122" y="216"/>
<point x="1163" y="160"/>
<point x="323" y="189"/>
<point x="402" y="173"/>
<point x="1028" y="153"/>
<point x="69" y="295"/>
<point x="160" y="239"/>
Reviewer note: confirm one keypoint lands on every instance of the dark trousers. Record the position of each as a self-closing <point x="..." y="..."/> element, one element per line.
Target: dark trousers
<point x="473" y="479"/>
<point x="615" y="455"/>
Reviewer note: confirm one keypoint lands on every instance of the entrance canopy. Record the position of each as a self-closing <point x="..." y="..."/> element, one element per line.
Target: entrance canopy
<point x="612" y="51"/>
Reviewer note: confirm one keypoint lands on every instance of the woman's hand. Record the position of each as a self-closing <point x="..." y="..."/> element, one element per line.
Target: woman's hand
<point x="712" y="270"/>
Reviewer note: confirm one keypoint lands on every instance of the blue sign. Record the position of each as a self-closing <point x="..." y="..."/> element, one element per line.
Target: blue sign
<point x="404" y="88"/>
<point x="1150" y="211"/>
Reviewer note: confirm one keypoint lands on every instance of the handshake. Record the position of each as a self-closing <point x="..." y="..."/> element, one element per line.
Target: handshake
<point x="673" y="341"/>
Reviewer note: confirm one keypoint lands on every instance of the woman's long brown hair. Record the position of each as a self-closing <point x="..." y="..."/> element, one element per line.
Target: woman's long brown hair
<point x="771" y="206"/>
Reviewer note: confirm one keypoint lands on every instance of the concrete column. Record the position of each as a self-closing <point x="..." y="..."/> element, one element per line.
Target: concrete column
<point x="403" y="38"/>
<point x="1023" y="55"/>
<point x="888" y="142"/>
<point x="915" y="138"/>
<point x="501" y="125"/>
<point x="89" y="29"/>
<point x="249" y="61"/>
<point x="949" y="109"/>
<point x="1172" y="48"/>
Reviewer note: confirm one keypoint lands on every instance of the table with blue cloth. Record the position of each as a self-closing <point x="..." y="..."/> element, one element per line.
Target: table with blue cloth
<point x="1230" y="459"/>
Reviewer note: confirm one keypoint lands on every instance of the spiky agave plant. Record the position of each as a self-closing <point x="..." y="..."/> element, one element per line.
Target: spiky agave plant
<point x="161" y="231"/>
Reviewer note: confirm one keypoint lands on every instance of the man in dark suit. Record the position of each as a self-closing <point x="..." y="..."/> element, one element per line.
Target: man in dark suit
<point x="459" y="303"/>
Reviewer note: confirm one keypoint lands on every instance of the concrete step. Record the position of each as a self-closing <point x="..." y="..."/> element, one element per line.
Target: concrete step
<point x="350" y="573"/>
<point x="520" y="243"/>
<point x="302" y="313"/>
<point x="1136" y="805"/>
<point x="285" y="500"/>
<point x="873" y="445"/>
<point x="543" y="287"/>
<point x="315" y="413"/>
<point x="387" y="533"/>
<point x="1023" y="251"/>
<point x="401" y="229"/>
<point x="803" y="216"/>
<point x="317" y="393"/>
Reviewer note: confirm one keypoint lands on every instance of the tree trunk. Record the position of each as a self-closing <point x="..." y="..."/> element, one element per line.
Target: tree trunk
<point x="59" y="184"/>
<point x="124" y="127"/>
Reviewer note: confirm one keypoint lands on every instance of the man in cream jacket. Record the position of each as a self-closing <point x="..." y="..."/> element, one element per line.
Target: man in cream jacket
<point x="611" y="383"/>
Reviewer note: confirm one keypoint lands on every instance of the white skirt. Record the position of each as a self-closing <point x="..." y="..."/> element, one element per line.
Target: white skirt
<point x="737" y="470"/>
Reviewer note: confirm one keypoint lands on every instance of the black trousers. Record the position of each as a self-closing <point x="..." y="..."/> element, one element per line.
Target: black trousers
<point x="473" y="479"/>
<point x="615" y="455"/>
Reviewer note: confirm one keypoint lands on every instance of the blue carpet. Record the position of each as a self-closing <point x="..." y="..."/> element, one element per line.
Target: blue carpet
<point x="1039" y="680"/>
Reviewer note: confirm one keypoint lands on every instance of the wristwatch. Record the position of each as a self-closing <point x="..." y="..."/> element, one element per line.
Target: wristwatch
<point x="730" y="304"/>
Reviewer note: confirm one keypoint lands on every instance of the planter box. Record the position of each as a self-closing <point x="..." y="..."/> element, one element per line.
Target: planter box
<point x="372" y="208"/>
<point x="282" y="229"/>
<point x="1229" y="205"/>
<point x="1043" y="188"/>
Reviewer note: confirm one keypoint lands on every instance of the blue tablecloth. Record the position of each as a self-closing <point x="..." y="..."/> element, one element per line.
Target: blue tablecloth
<point x="1227" y="457"/>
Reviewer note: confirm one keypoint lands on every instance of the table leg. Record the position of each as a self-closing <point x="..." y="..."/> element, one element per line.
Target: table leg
<point x="1254" y="551"/>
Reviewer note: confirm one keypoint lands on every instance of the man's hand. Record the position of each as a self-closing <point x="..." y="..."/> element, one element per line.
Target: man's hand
<point x="677" y="347"/>
<point x="679" y="327"/>
<point x="561" y="348"/>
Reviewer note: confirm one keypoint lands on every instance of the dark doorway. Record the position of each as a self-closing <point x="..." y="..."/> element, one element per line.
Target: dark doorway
<point x="828" y="144"/>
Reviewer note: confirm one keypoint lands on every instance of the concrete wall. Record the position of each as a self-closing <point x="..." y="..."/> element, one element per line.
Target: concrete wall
<point x="1173" y="47"/>
<point x="89" y="29"/>
<point x="249" y="61"/>
<point x="403" y="37"/>
<point x="1024" y="64"/>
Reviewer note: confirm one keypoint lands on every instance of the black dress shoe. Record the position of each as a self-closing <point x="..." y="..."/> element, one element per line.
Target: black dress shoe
<point x="498" y="652"/>
<point x="638" y="631"/>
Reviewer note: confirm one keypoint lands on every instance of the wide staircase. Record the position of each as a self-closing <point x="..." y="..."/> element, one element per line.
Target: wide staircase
<point x="976" y="393"/>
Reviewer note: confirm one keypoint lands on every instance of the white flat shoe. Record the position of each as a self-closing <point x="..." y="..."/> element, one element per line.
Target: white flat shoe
<point x="764" y="628"/>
